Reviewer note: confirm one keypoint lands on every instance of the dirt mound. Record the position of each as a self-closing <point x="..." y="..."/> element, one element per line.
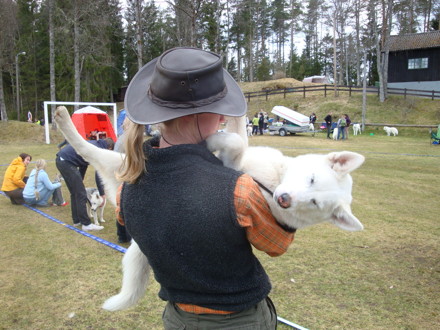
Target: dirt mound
<point x="12" y="131"/>
<point x="271" y="84"/>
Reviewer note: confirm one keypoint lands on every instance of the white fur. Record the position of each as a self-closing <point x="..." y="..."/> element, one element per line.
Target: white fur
<point x="391" y="130"/>
<point x="311" y="127"/>
<point x="307" y="189"/>
<point x="356" y="129"/>
<point x="335" y="133"/>
<point x="249" y="130"/>
<point x="95" y="203"/>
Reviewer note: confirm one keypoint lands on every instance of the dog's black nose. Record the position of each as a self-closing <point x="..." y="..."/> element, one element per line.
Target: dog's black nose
<point x="284" y="201"/>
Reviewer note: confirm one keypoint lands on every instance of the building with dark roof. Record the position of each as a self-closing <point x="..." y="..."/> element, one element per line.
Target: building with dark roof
<point x="414" y="61"/>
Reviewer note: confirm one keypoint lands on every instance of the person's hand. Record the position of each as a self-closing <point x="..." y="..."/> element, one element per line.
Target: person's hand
<point x="103" y="201"/>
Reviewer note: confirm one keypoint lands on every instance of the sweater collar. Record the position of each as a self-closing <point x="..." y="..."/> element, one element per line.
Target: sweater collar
<point x="177" y="156"/>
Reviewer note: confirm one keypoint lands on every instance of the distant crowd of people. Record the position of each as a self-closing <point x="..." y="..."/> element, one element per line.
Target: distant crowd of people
<point x="342" y="125"/>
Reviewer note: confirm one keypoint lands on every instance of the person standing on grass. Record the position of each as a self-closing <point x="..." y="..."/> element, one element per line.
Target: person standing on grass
<point x="341" y="127"/>
<point x="73" y="169"/>
<point x="15" y="178"/>
<point x="261" y="123"/>
<point x="312" y="119"/>
<point x="328" y="121"/>
<point x="348" y="121"/>
<point x="255" y="121"/>
<point x="184" y="209"/>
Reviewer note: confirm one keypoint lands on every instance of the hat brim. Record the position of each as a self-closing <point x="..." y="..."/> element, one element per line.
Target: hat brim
<point x="141" y="110"/>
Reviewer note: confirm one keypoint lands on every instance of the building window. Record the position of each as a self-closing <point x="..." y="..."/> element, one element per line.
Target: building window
<point x="418" y="63"/>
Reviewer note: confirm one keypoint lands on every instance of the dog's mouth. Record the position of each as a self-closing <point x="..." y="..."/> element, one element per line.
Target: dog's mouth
<point x="284" y="200"/>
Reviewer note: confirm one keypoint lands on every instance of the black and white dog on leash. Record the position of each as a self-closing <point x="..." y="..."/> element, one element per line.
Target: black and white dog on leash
<point x="95" y="203"/>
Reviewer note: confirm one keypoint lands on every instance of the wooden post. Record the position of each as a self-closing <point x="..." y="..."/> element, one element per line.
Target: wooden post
<point x="285" y="92"/>
<point x="325" y="90"/>
<point x="267" y="93"/>
<point x="349" y="91"/>
<point x="404" y="93"/>
<point x="304" y="91"/>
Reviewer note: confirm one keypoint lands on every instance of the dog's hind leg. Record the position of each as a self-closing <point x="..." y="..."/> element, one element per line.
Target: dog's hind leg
<point x="229" y="146"/>
<point x="136" y="271"/>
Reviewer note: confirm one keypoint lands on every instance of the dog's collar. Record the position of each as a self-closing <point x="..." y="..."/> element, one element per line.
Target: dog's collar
<point x="282" y="225"/>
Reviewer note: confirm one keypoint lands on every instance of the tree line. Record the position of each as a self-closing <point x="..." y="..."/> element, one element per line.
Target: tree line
<point x="86" y="50"/>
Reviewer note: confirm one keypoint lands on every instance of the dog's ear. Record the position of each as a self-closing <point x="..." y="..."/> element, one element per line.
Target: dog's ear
<point x="345" y="162"/>
<point x="344" y="219"/>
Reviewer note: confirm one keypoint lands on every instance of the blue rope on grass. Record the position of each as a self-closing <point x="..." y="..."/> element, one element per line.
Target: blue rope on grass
<point x="120" y="248"/>
<point x="79" y="231"/>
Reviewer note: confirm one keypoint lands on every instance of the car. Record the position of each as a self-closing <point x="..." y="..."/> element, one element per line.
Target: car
<point x="292" y="122"/>
<point x="287" y="127"/>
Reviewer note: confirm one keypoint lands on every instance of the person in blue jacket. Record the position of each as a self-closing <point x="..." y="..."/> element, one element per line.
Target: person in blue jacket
<point x="39" y="188"/>
<point x="73" y="169"/>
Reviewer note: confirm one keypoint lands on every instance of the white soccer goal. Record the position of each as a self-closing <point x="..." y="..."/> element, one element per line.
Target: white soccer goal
<point x="46" y="115"/>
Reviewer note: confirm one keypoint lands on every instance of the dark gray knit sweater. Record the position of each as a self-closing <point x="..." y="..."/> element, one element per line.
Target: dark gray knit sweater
<point x="182" y="215"/>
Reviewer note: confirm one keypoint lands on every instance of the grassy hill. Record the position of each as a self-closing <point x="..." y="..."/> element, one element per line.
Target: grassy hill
<point x="395" y="110"/>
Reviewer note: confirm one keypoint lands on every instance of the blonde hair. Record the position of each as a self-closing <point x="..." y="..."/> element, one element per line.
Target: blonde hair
<point x="40" y="164"/>
<point x="133" y="164"/>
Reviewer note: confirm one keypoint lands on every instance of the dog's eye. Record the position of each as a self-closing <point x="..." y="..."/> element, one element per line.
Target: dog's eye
<point x="313" y="201"/>
<point x="312" y="180"/>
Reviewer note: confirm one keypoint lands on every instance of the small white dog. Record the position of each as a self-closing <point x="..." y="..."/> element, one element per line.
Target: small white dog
<point x="391" y="130"/>
<point x="301" y="191"/>
<point x="249" y="130"/>
<point x="356" y="129"/>
<point x="335" y="133"/>
<point x="94" y="203"/>
<point x="311" y="127"/>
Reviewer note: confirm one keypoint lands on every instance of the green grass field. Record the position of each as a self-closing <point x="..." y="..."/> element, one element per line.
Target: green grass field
<point x="385" y="277"/>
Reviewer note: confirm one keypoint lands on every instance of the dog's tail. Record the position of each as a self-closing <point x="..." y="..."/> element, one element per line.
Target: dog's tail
<point x="136" y="271"/>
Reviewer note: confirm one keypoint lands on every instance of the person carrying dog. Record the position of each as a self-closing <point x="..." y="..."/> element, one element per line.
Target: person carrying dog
<point x="194" y="219"/>
<point x="73" y="169"/>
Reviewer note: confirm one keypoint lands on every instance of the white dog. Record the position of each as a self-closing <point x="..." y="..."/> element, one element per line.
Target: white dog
<point x="301" y="191"/>
<point x="391" y="130"/>
<point x="95" y="202"/>
<point x="356" y="129"/>
<point x="311" y="127"/>
<point x="335" y="133"/>
<point x="249" y="130"/>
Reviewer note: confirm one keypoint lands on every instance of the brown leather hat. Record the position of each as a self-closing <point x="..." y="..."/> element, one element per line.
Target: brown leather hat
<point x="180" y="82"/>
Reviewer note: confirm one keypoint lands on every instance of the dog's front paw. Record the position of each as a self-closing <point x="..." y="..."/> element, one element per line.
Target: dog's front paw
<point x="102" y="220"/>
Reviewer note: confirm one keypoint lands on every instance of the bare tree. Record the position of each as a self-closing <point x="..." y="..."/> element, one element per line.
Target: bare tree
<point x="139" y="51"/>
<point x="52" y="59"/>
<point x="187" y="12"/>
<point x="382" y="47"/>
<point x="8" y="30"/>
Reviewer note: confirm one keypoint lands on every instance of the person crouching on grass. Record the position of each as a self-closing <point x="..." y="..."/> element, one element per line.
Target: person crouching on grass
<point x="15" y="178"/>
<point x="193" y="218"/>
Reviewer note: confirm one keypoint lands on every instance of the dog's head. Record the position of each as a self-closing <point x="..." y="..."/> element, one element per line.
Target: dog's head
<point x="94" y="198"/>
<point x="317" y="188"/>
